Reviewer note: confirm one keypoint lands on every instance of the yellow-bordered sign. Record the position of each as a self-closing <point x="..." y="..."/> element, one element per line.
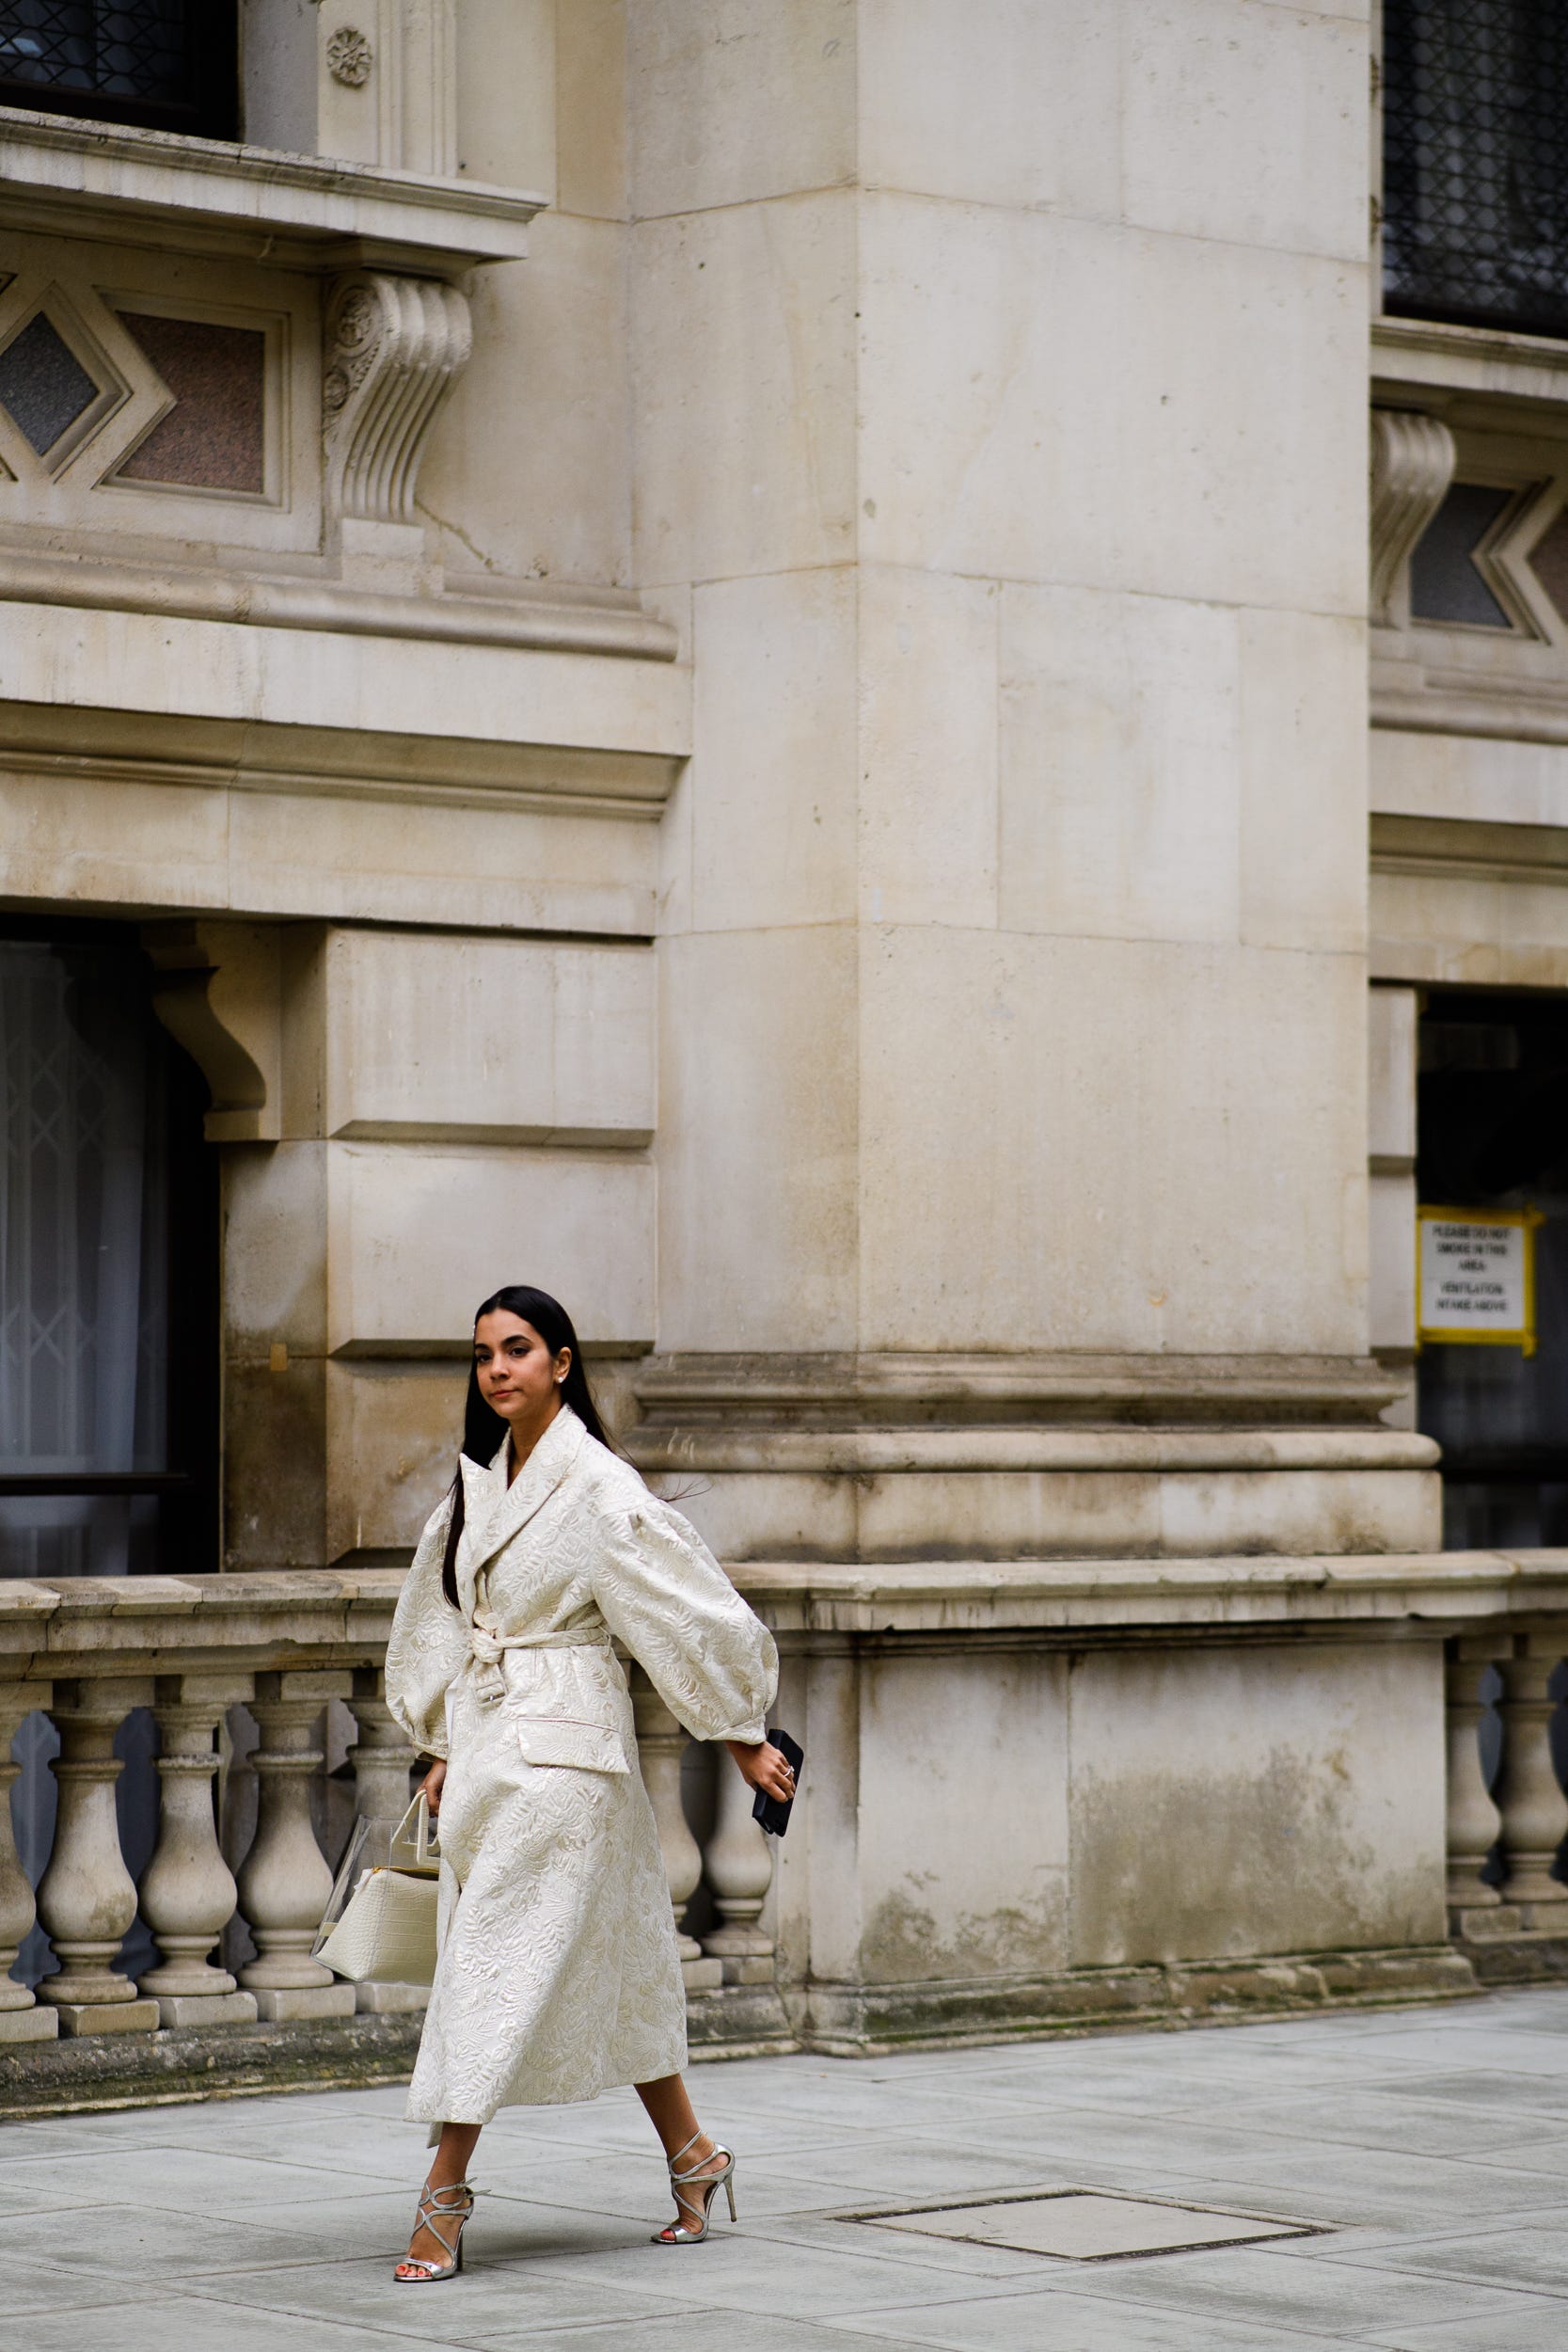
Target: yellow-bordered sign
<point x="1475" y="1277"/>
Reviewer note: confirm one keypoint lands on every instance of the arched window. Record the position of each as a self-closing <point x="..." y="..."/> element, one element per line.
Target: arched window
<point x="1475" y="161"/>
<point x="170" y="65"/>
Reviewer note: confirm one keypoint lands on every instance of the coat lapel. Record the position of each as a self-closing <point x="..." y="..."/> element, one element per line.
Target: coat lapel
<point x="493" y="1511"/>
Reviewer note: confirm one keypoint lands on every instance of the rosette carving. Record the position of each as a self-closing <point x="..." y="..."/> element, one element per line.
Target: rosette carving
<point x="394" y="348"/>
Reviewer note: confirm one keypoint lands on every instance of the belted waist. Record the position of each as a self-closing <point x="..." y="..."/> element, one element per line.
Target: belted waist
<point x="486" y="1648"/>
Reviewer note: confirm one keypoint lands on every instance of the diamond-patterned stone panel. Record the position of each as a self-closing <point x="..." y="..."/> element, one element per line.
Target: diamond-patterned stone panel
<point x="44" y="386"/>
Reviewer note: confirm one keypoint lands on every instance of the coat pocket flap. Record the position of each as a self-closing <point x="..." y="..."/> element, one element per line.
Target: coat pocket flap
<point x="591" y="1747"/>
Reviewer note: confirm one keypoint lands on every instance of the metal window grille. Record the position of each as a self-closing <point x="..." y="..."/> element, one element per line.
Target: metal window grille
<point x="1475" y="161"/>
<point x="169" y="64"/>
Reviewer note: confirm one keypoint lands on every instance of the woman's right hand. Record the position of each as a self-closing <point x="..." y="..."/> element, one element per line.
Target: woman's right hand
<point x="430" y="1788"/>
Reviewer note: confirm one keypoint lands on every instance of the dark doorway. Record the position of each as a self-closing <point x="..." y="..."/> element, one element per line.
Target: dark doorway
<point x="1491" y="1133"/>
<point x="108" y="1268"/>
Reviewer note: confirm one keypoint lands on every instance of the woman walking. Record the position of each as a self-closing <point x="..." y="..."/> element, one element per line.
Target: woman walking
<point x="559" y="1974"/>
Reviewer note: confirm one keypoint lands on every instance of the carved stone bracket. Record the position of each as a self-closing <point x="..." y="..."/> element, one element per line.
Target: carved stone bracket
<point x="1411" y="466"/>
<point x="217" y="990"/>
<point x="394" y="348"/>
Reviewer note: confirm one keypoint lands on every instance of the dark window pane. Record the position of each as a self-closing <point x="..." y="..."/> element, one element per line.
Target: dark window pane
<point x="42" y="383"/>
<point x="1475" y="161"/>
<point x="1444" y="583"/>
<point x="168" y="63"/>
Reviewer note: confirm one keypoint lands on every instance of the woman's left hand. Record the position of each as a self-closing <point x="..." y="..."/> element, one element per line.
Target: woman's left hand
<point x="764" y="1767"/>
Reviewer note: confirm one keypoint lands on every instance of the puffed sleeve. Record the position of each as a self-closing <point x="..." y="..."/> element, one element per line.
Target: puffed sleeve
<point x="662" y="1593"/>
<point x="427" y="1644"/>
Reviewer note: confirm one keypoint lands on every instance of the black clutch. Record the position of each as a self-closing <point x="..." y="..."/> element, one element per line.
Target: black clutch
<point x="773" y="1812"/>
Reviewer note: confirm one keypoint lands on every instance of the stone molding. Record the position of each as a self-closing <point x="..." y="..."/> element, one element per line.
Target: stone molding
<point x="394" y="348"/>
<point x="1460" y="848"/>
<point x="896" y="1390"/>
<point x="239" y="755"/>
<point x="1487" y="362"/>
<point x="613" y="625"/>
<point x="876" y="1453"/>
<point x="1413" y="459"/>
<point x="1499" y="710"/>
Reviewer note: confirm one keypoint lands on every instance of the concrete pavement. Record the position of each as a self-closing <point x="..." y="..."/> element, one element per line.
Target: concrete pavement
<point x="1424" y="2152"/>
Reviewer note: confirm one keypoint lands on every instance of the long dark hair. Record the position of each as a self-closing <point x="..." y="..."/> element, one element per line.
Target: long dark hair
<point x="483" y="1428"/>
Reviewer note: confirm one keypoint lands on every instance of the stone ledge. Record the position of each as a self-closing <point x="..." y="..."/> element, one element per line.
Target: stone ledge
<point x="1445" y="1590"/>
<point x="1524" y="1959"/>
<point x="868" y="2021"/>
<point x="738" y="2021"/>
<point x="216" y="195"/>
<point x="159" y="2069"/>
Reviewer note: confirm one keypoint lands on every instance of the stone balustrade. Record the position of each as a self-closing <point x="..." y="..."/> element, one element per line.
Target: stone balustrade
<point x="979" y="1738"/>
<point x="1506" y="1813"/>
<point x="288" y="1649"/>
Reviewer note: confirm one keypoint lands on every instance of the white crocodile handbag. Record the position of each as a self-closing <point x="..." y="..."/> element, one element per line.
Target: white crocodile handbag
<point x="380" y="1926"/>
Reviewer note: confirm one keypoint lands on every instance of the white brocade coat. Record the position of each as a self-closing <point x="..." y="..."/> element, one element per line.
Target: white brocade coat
<point x="558" y="1973"/>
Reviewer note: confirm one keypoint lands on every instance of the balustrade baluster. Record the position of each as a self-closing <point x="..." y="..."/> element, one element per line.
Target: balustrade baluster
<point x="1534" y="1810"/>
<point x="737" y="1863"/>
<point x="188" y="1889"/>
<point x="22" y="2018"/>
<point x="661" y="1743"/>
<point x="1474" y="1821"/>
<point x="382" y="1760"/>
<point x="86" y="1899"/>
<point x="285" y="1880"/>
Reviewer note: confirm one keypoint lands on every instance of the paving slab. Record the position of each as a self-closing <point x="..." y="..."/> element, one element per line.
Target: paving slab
<point x="1261" y="2285"/>
<point x="1071" y="2321"/>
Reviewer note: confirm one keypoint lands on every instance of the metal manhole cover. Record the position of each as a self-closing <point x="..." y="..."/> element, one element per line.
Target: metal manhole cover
<point x="1084" y="2225"/>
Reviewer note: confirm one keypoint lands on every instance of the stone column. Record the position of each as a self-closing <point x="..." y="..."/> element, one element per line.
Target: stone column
<point x="285" y="1880"/>
<point x="1534" y="1810"/>
<point x="1474" y="1821"/>
<point x="22" y="2018"/>
<point x="87" y="1899"/>
<point x="381" y="1763"/>
<point x="188" y="1889"/>
<point x="661" y="1743"/>
<point x="737" y="1863"/>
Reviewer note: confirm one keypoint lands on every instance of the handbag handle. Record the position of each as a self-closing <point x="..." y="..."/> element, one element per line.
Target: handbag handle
<point x="421" y="1830"/>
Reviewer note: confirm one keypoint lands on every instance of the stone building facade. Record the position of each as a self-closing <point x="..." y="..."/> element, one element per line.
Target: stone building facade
<point x="730" y="656"/>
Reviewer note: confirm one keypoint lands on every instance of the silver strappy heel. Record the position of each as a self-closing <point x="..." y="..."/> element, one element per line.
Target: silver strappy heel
<point x="680" y="2233"/>
<point x="431" y="2207"/>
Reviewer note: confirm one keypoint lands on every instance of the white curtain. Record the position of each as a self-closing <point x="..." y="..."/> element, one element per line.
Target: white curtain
<point x="82" y="1254"/>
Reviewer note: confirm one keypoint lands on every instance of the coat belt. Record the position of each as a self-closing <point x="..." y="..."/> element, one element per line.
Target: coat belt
<point x="486" y="1648"/>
